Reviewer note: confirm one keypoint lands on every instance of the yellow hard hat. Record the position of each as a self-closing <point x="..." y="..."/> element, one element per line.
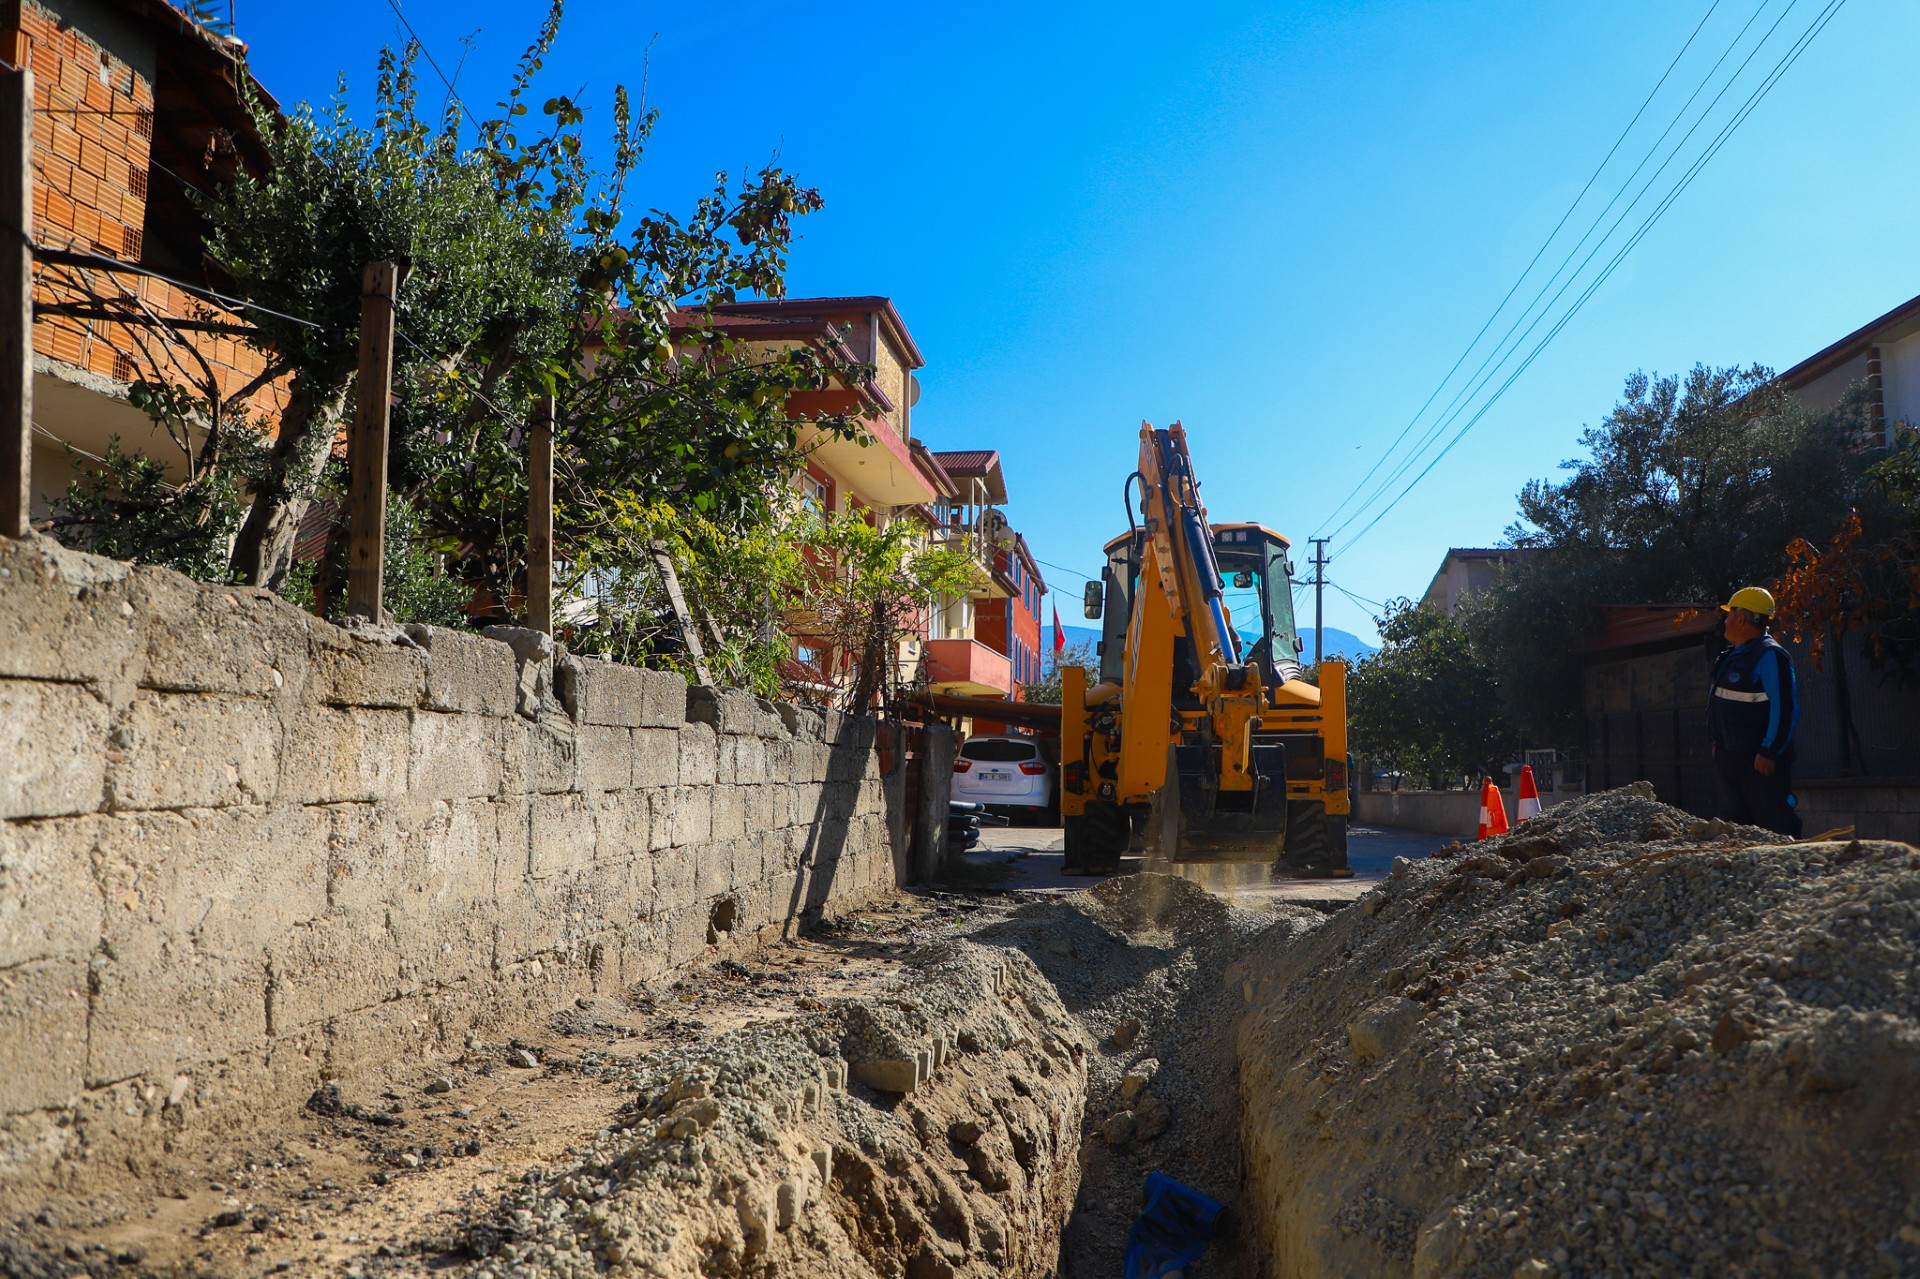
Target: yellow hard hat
<point x="1753" y="599"/>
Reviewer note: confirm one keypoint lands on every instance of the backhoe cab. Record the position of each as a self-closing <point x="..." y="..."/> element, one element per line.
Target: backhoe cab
<point x="1201" y="741"/>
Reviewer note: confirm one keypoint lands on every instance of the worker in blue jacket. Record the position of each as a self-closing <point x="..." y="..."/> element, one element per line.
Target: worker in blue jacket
<point x="1751" y="716"/>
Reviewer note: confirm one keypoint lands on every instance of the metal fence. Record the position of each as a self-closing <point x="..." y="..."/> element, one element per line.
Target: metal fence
<point x="1663" y="739"/>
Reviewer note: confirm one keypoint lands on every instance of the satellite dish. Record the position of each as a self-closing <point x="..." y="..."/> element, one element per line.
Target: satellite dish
<point x="913" y="390"/>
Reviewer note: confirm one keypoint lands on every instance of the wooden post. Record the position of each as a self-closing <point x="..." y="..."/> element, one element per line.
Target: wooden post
<point x="16" y="297"/>
<point x="367" y="442"/>
<point x="689" y="632"/>
<point x="540" y="516"/>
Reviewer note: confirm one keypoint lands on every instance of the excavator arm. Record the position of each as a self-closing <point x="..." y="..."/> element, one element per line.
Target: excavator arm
<point x="1207" y="754"/>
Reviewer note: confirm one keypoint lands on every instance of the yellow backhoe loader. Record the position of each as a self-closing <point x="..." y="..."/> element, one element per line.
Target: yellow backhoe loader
<point x="1201" y="741"/>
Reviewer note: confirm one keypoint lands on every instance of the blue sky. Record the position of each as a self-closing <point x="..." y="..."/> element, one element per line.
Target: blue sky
<point x="1280" y="223"/>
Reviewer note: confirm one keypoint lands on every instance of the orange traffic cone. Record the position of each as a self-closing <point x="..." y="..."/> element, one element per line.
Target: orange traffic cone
<point x="1528" y="805"/>
<point x="1493" y="811"/>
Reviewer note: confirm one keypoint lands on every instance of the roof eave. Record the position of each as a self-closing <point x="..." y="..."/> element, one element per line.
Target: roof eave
<point x="1829" y="358"/>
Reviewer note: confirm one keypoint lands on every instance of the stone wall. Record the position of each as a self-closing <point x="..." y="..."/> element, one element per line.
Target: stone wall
<point x="1876" y="808"/>
<point x="1439" y="812"/>
<point x="243" y="850"/>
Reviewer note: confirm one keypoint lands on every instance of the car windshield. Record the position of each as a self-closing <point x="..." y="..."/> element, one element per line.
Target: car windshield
<point x="998" y="752"/>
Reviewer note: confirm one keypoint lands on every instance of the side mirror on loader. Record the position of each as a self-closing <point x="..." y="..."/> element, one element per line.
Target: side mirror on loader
<point x="1091" y="599"/>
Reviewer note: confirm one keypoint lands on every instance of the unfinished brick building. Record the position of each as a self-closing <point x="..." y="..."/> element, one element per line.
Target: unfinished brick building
<point x="137" y="112"/>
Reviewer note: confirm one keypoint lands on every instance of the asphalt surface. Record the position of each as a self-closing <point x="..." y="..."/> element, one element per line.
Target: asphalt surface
<point x="1033" y="856"/>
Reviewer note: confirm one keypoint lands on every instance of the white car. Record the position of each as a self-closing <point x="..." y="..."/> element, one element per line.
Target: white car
<point x="1005" y="773"/>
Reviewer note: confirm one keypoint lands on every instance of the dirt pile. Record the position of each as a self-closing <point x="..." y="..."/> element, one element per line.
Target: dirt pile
<point x="930" y="1130"/>
<point x="1618" y="1041"/>
<point x="1139" y="962"/>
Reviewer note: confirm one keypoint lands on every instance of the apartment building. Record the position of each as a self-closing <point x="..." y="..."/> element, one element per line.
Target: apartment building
<point x="986" y="644"/>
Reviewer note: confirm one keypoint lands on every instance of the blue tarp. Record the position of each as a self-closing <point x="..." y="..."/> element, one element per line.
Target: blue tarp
<point x="1171" y="1231"/>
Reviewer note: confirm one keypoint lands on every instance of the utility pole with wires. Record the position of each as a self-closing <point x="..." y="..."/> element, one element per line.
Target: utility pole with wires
<point x="1319" y="590"/>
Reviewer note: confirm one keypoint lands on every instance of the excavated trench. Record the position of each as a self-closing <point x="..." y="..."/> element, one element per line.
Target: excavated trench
<point x="994" y="1112"/>
<point x="1617" y="1042"/>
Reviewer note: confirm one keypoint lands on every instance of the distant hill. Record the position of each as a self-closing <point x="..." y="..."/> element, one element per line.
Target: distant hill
<point x="1339" y="643"/>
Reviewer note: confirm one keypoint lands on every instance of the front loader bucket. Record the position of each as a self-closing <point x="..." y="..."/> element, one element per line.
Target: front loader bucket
<point x="1198" y="824"/>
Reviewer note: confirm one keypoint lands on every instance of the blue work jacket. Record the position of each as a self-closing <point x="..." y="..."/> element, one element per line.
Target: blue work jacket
<point x="1752" y="709"/>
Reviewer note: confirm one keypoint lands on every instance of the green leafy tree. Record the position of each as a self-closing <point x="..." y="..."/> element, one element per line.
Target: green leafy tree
<point x="1048" y="691"/>
<point x="527" y="275"/>
<point x="613" y="594"/>
<point x="1690" y="487"/>
<point x="1425" y="703"/>
<point x="866" y="589"/>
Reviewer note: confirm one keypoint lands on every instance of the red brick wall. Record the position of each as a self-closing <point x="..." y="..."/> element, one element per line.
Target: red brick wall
<point x="92" y="131"/>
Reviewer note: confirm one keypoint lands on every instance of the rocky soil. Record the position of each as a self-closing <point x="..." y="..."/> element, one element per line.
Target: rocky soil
<point x="931" y="1130"/>
<point x="1617" y="1041"/>
<point x="1138" y="961"/>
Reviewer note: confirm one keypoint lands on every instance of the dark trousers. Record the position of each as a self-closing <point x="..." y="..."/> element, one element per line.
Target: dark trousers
<point x="1753" y="799"/>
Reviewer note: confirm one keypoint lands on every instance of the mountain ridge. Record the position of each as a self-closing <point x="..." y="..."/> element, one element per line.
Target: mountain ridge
<point x="1339" y="643"/>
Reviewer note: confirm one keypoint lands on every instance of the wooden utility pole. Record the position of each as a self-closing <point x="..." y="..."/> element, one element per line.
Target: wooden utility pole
<point x="540" y="516"/>
<point x="367" y="442"/>
<point x="16" y="296"/>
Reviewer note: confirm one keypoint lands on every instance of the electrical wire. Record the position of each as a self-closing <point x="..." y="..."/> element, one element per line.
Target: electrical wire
<point x="1780" y="69"/>
<point x="1064" y="569"/>
<point x="428" y="55"/>
<point x="128" y="268"/>
<point x="1356" y="598"/>
<point x="1753" y="100"/>
<point x="1525" y="271"/>
<point x="1490" y="366"/>
<point x="1502" y="350"/>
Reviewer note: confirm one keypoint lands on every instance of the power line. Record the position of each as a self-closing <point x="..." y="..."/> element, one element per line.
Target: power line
<point x="1357" y="599"/>
<point x="1064" y="569"/>
<point x="1490" y="365"/>
<point x="1521" y="278"/>
<point x="427" y="53"/>
<point x="1753" y="101"/>
<point x="54" y="253"/>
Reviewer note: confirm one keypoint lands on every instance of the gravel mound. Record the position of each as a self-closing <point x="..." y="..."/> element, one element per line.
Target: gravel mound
<point x="931" y="1130"/>
<point x="1139" y="961"/>
<point x="1616" y="1041"/>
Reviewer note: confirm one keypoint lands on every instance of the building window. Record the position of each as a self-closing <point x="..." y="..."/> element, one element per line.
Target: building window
<point x="813" y="491"/>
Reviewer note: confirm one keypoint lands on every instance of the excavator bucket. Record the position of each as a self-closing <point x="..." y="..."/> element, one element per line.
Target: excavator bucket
<point x="1193" y="823"/>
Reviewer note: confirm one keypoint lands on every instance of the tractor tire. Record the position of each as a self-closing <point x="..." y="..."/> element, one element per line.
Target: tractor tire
<point x="1316" y="843"/>
<point x="1073" y="834"/>
<point x="1105" y="832"/>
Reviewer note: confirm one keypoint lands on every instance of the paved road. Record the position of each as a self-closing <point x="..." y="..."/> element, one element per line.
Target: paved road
<point x="1034" y="856"/>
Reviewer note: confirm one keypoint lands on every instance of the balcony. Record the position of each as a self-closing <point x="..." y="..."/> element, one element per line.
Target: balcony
<point x="881" y="471"/>
<point x="967" y="667"/>
<point x="976" y="541"/>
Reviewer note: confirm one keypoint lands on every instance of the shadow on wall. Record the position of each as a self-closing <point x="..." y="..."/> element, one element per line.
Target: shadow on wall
<point x="243" y="850"/>
<point x="850" y="743"/>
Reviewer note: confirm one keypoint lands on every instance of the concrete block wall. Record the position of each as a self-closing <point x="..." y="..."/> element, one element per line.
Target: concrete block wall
<point x="243" y="850"/>
<point x="1876" y="808"/>
<point x="1440" y="812"/>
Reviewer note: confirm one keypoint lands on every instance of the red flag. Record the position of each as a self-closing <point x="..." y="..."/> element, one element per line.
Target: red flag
<point x="1059" y="636"/>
